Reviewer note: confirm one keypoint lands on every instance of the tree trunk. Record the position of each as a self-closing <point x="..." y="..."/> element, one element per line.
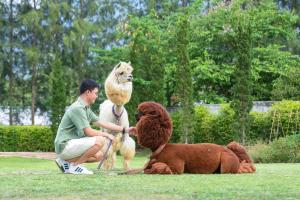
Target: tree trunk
<point x="33" y="93"/>
<point x="243" y="135"/>
<point x="186" y="133"/>
<point x="34" y="75"/>
<point x="10" y="67"/>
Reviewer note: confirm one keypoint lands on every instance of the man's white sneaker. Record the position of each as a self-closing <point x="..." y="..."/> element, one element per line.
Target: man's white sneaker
<point x="63" y="165"/>
<point x="78" y="169"/>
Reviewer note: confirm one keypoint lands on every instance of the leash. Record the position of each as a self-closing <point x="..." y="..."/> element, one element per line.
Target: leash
<point x="150" y="162"/>
<point x="105" y="155"/>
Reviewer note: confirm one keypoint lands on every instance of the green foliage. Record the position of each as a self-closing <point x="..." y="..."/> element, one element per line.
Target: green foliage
<point x="287" y="86"/>
<point x="241" y="90"/>
<point x="272" y="70"/>
<point x="285" y="149"/>
<point x="285" y="117"/>
<point x="204" y="128"/>
<point x="223" y="130"/>
<point x="146" y="56"/>
<point x="208" y="127"/>
<point x="282" y="119"/>
<point x="90" y="37"/>
<point x="183" y="75"/>
<point x="212" y="46"/>
<point x="176" y="134"/>
<point x="58" y="94"/>
<point x="260" y="127"/>
<point x="26" y="138"/>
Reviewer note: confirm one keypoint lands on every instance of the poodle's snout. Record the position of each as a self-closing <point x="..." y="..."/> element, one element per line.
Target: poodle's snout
<point x="138" y="116"/>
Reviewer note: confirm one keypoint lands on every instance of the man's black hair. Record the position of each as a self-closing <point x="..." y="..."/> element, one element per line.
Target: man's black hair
<point x="88" y="84"/>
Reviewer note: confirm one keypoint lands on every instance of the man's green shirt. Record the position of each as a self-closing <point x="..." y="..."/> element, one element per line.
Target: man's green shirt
<point x="76" y="118"/>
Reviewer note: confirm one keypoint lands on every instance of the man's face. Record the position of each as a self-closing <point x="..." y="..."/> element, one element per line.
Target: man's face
<point x="92" y="95"/>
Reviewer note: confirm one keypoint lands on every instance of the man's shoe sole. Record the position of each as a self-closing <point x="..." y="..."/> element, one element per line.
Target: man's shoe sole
<point x="60" y="167"/>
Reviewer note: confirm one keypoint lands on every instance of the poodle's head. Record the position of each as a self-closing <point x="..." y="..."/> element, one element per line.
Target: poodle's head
<point x="154" y="125"/>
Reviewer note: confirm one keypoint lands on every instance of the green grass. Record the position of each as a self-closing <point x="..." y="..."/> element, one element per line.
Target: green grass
<point x="28" y="178"/>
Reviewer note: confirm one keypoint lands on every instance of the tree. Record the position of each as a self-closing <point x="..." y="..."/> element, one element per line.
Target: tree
<point x="10" y="63"/>
<point x="213" y="57"/>
<point x="183" y="74"/>
<point x="147" y="58"/>
<point x="32" y="24"/>
<point x="242" y="88"/>
<point x="58" y="93"/>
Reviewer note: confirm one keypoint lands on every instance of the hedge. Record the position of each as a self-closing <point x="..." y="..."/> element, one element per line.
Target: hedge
<point x="282" y="119"/>
<point x="26" y="138"/>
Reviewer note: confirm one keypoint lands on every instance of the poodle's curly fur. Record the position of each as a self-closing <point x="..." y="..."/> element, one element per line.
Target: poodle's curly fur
<point x="154" y="129"/>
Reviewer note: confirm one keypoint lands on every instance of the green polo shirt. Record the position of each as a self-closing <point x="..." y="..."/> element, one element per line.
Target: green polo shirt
<point x="76" y="118"/>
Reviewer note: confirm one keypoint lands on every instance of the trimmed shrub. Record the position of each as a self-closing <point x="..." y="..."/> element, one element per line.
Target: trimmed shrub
<point x="204" y="125"/>
<point x="223" y="130"/>
<point x="285" y="150"/>
<point x="260" y="127"/>
<point x="26" y="138"/>
<point x="208" y="127"/>
<point x="176" y="135"/>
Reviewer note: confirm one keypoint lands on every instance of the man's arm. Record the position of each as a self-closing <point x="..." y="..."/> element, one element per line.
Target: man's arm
<point x="114" y="127"/>
<point x="109" y="126"/>
<point x="92" y="132"/>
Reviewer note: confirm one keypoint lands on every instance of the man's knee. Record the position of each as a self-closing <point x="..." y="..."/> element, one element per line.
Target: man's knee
<point x="100" y="141"/>
<point x="99" y="156"/>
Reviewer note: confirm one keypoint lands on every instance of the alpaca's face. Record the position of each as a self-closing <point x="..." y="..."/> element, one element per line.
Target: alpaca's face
<point x="123" y="72"/>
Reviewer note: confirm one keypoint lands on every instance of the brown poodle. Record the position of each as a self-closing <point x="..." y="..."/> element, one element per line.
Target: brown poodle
<point x="154" y="129"/>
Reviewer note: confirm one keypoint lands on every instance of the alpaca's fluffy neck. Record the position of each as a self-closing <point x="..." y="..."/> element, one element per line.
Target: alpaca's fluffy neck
<point x="118" y="108"/>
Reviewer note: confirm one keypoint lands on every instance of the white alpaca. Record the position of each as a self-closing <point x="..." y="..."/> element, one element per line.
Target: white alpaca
<point x="118" y="89"/>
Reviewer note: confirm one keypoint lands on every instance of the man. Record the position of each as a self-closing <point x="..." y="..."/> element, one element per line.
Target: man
<point x="76" y="142"/>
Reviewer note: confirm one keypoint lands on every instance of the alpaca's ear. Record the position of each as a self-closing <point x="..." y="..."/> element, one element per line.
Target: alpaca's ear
<point x="129" y="63"/>
<point x="118" y="65"/>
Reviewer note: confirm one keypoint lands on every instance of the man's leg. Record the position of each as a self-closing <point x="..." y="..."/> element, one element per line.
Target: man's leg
<point x="93" y="154"/>
<point x="97" y="158"/>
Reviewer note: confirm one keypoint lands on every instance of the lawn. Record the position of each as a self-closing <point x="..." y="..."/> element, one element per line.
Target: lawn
<point x="29" y="178"/>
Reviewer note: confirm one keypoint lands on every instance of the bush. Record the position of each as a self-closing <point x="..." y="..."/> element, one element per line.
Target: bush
<point x="285" y="149"/>
<point x="208" y="127"/>
<point x="26" y="138"/>
<point x="176" y="135"/>
<point x="285" y="116"/>
<point x="204" y="125"/>
<point x="223" y="130"/>
<point x="260" y="127"/>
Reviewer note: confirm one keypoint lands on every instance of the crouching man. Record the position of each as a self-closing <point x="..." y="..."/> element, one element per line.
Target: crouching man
<point x="76" y="142"/>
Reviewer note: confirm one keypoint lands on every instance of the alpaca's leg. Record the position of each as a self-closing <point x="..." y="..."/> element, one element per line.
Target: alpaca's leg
<point x="229" y="163"/>
<point x="126" y="164"/>
<point x="114" y="158"/>
<point x="127" y="150"/>
<point x="107" y="163"/>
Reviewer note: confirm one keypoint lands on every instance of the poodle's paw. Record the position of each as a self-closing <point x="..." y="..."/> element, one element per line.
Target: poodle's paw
<point x="246" y="167"/>
<point x="158" y="168"/>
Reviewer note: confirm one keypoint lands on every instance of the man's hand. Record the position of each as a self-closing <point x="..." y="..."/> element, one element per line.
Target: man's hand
<point x="132" y="131"/>
<point x="110" y="136"/>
